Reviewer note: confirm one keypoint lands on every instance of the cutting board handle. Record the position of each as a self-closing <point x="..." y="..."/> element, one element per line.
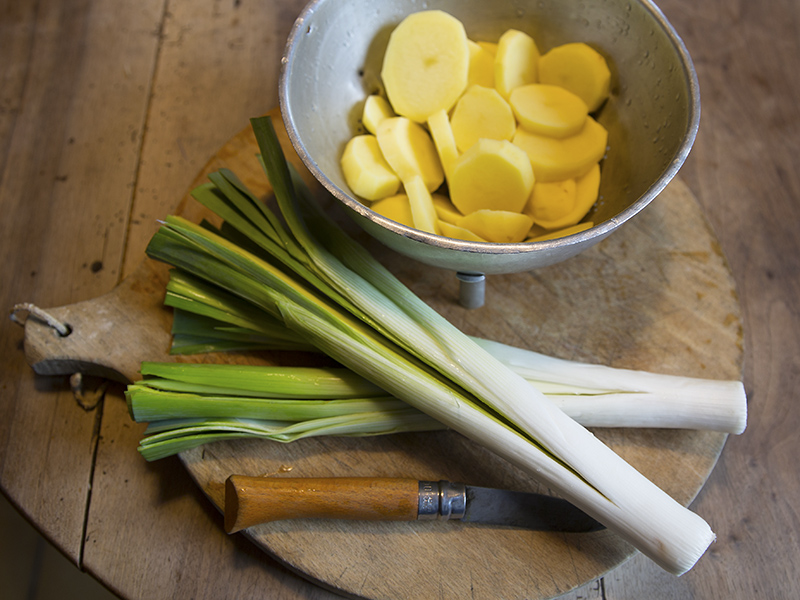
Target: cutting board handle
<point x="108" y="336"/>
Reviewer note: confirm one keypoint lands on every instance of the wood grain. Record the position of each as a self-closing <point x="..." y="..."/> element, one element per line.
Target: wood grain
<point x="744" y="171"/>
<point x="251" y="501"/>
<point x="212" y="75"/>
<point x="72" y="114"/>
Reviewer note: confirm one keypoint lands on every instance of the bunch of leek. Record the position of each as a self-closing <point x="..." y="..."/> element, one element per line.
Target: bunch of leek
<point x="188" y="405"/>
<point x="331" y="292"/>
<point x="206" y="318"/>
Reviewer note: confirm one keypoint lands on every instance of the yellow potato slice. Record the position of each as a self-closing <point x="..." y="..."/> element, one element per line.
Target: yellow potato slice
<point x="548" y="109"/>
<point x="481" y="66"/>
<point x="481" y="113"/>
<point x="443" y="140"/>
<point x="493" y="174"/>
<point x="365" y="169"/>
<point x="409" y="150"/>
<point x="579" y="68"/>
<point x="458" y="233"/>
<point x="396" y="208"/>
<point x="490" y="47"/>
<point x="426" y="64"/>
<point x="516" y="62"/>
<point x="584" y="194"/>
<point x="587" y="193"/>
<point x="552" y="235"/>
<point x="556" y="159"/>
<point x="499" y="226"/>
<point x="551" y="201"/>
<point x="376" y="110"/>
<point x="445" y="209"/>
<point x="423" y="213"/>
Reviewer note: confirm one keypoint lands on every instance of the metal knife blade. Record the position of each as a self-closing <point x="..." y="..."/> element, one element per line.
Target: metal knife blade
<point x="253" y="500"/>
<point x="526" y="510"/>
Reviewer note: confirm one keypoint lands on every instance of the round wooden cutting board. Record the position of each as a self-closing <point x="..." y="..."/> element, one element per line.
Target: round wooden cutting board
<point x="657" y="296"/>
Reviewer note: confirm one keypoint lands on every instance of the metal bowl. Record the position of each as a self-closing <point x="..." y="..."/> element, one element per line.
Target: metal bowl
<point x="332" y="62"/>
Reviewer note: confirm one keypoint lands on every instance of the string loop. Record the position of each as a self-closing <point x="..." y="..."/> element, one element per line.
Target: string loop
<point x="32" y="310"/>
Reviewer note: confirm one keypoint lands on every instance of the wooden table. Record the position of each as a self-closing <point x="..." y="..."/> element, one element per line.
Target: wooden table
<point x="107" y="112"/>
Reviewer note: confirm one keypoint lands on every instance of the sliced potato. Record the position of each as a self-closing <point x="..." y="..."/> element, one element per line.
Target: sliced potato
<point x="508" y="129"/>
<point x="409" y="150"/>
<point x="376" y="110"/>
<point x="586" y="189"/>
<point x="481" y="66"/>
<point x="551" y="201"/>
<point x="499" y="226"/>
<point x="559" y="233"/>
<point x="548" y="109"/>
<point x="423" y="213"/>
<point x="365" y="169"/>
<point x="516" y="62"/>
<point x="490" y="47"/>
<point x="396" y="208"/>
<point x="442" y="134"/>
<point x="579" y="68"/>
<point x="481" y="113"/>
<point x="445" y="209"/>
<point x="458" y="233"/>
<point x="426" y="64"/>
<point x="492" y="174"/>
<point x="556" y="159"/>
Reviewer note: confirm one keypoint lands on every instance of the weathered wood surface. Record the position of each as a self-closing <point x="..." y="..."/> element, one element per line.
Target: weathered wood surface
<point x="98" y="109"/>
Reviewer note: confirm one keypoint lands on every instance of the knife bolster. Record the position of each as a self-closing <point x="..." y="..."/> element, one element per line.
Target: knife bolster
<point x="441" y="500"/>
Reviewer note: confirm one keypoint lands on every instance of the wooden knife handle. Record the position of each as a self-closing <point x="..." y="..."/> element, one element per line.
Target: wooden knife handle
<point x="253" y="500"/>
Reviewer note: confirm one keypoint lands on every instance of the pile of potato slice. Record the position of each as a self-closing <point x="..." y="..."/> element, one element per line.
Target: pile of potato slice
<point x="481" y="141"/>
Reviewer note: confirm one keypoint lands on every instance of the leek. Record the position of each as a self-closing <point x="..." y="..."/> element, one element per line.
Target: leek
<point x="281" y="382"/>
<point x="593" y="395"/>
<point x="354" y="310"/>
<point x="590" y="407"/>
<point x="221" y="338"/>
<point x="153" y="404"/>
<point x="187" y="434"/>
<point x="182" y="411"/>
<point x="200" y="306"/>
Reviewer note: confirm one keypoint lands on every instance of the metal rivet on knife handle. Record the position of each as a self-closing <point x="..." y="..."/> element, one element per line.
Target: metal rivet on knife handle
<point x="443" y="500"/>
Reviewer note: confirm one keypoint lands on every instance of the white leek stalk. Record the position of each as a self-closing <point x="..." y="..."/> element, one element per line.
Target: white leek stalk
<point x="601" y="396"/>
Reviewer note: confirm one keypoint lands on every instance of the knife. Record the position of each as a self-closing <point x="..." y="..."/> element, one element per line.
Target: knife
<point x="253" y="500"/>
